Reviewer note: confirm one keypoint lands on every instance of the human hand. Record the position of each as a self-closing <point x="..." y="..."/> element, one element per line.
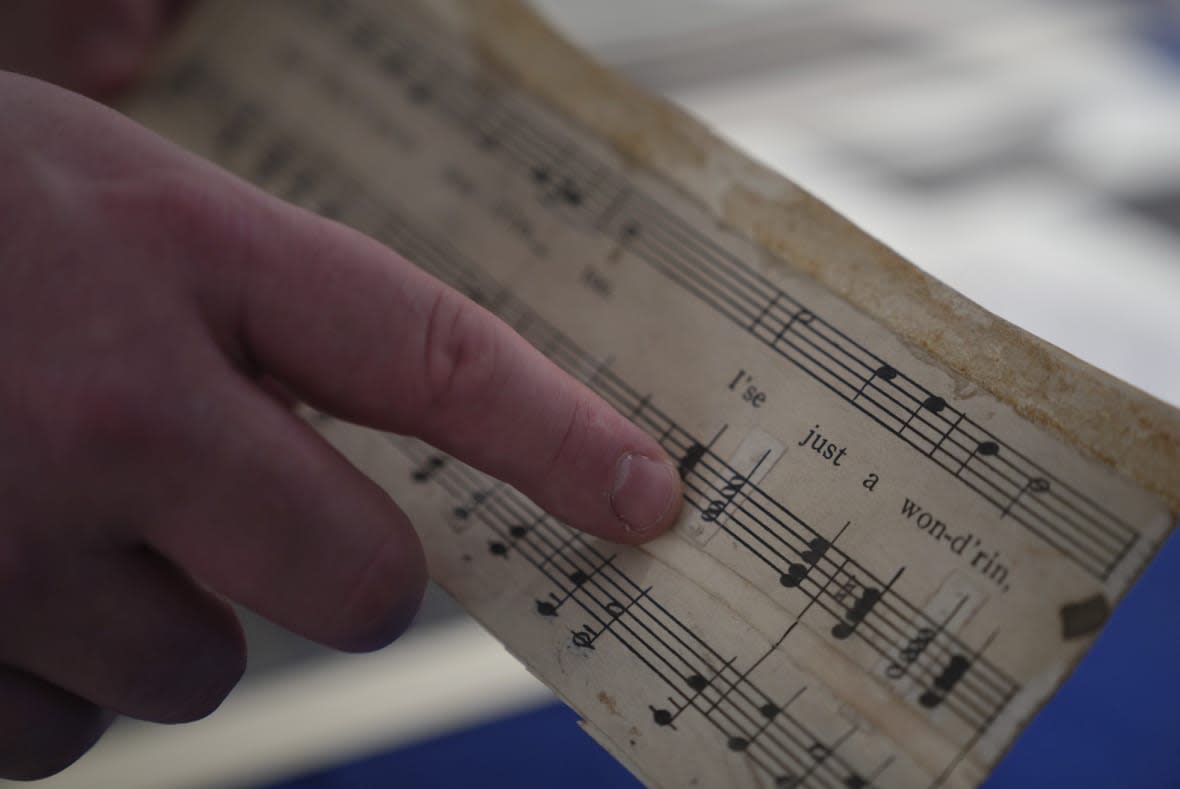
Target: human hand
<point x="145" y="475"/>
<point x="93" y="47"/>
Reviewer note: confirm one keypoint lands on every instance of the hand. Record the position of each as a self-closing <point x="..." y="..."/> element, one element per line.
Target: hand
<point x="145" y="475"/>
<point x="94" y="47"/>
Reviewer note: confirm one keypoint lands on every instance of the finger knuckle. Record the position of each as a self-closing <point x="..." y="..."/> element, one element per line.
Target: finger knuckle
<point x="460" y="354"/>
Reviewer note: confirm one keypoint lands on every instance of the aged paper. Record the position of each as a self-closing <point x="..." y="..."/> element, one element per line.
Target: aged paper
<point x="905" y="520"/>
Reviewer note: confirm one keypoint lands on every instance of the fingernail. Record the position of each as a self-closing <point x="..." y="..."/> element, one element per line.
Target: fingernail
<point x="644" y="492"/>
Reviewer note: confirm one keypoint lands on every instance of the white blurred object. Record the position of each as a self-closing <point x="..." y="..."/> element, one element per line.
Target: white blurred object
<point x="1025" y="152"/>
<point x="277" y="726"/>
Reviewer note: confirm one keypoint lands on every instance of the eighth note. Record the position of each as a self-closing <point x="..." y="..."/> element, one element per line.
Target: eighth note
<point x="862" y="607"/>
<point x="816" y="548"/>
<point x="856" y="613"/>
<point x="945" y="682"/>
<point x="796" y="573"/>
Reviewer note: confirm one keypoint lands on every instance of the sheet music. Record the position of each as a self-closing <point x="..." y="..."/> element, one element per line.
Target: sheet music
<point x="881" y="571"/>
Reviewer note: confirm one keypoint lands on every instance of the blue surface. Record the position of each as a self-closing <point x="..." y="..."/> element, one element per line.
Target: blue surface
<point x="1115" y="723"/>
<point x="535" y="750"/>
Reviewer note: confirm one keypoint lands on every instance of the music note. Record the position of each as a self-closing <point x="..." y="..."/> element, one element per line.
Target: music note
<point x="564" y="189"/>
<point x="427" y="470"/>
<point x="855" y="614"/>
<point x="945" y="682"/>
<point x="861" y="607"/>
<point x="568" y="191"/>
<point x="816" y="548"/>
<point x="464" y="511"/>
<point x="983" y="449"/>
<point x="240" y="125"/>
<point x="934" y="404"/>
<point x="578" y="578"/>
<point x="1035" y="485"/>
<point x="275" y="157"/>
<point x="586" y="637"/>
<point x="802" y="317"/>
<point x="628" y="232"/>
<point x="884" y="372"/>
<point x="797" y="572"/>
<point x="662" y="717"/>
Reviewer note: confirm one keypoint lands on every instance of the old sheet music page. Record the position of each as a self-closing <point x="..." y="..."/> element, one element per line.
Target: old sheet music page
<point x="905" y="520"/>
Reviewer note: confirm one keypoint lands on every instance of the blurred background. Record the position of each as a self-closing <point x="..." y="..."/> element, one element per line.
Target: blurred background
<point x="1026" y="152"/>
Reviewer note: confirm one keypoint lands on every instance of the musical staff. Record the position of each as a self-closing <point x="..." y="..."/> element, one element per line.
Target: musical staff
<point x="694" y="675"/>
<point x="594" y="197"/>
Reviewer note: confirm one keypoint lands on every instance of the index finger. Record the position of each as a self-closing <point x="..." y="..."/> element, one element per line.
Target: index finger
<point x="359" y="331"/>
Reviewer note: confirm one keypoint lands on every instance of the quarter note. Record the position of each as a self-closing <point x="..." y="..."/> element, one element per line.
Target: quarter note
<point x="429" y="468"/>
<point x="691" y="457"/>
<point x="628" y="232"/>
<point x="983" y="449"/>
<point x="933" y="404"/>
<point x="884" y="372"/>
